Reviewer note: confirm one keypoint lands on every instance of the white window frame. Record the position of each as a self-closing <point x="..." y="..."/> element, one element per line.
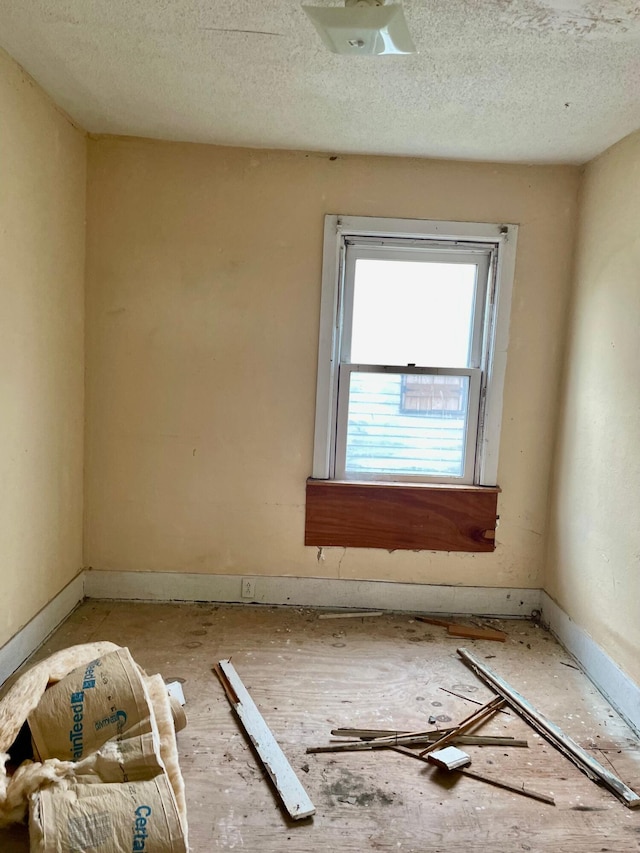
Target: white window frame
<point x="436" y="236"/>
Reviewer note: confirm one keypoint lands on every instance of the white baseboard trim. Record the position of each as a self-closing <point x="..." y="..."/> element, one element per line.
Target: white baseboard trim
<point x="617" y="687"/>
<point x="313" y="592"/>
<point x="607" y="676"/>
<point x="23" y="644"/>
<point x="293" y="591"/>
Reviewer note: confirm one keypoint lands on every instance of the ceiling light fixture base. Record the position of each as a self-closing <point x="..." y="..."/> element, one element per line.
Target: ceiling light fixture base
<point x="363" y="28"/>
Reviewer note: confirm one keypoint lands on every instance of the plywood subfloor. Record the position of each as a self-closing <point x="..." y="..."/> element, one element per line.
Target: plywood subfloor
<point x="308" y="675"/>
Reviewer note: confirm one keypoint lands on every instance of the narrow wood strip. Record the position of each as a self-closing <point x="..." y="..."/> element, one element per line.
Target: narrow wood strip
<point x="373" y="734"/>
<point x="351" y="614"/>
<point x="293" y="795"/>
<point x="553" y="733"/>
<point x="350" y="746"/>
<point x="489" y="740"/>
<point x="482" y="715"/>
<point x="463" y="740"/>
<point x="469" y="722"/>
<point x="525" y="792"/>
<point x="430" y="620"/>
<point x="378" y="743"/>
<point x="478" y="740"/>
<point x="411" y="737"/>
<point x="471" y="632"/>
<point x="490" y="780"/>
<point x="359" y="745"/>
<point x="473" y="701"/>
<point x="387" y="735"/>
<point x="493" y="705"/>
<point x="366" y="733"/>
<point x="226" y="686"/>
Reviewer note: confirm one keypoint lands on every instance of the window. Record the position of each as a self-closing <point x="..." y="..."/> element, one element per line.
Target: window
<point x="412" y="350"/>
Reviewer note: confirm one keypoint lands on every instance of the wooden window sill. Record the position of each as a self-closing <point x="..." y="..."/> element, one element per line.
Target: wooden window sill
<point x="401" y="516"/>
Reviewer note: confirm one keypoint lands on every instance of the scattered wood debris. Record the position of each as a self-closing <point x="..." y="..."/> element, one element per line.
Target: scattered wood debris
<point x="439" y="750"/>
<point x="469" y="632"/>
<point x="476" y="740"/>
<point x="490" y="780"/>
<point x="553" y="733"/>
<point x="377" y="743"/>
<point x="293" y="796"/>
<point x="416" y="740"/>
<point x="470" y="722"/>
<point x="367" y="734"/>
<point x="467" y="699"/>
<point x="431" y="620"/>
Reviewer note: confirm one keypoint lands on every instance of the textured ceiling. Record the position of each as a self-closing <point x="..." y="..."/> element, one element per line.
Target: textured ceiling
<point x="503" y="80"/>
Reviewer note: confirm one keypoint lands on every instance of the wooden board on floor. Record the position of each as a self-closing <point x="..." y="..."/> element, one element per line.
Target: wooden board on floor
<point x="470" y="632"/>
<point x="294" y="797"/>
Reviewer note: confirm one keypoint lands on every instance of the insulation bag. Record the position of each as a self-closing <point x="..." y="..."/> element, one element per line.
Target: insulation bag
<point x="127" y="759"/>
<point x="132" y="817"/>
<point x="103" y="728"/>
<point x="94" y="703"/>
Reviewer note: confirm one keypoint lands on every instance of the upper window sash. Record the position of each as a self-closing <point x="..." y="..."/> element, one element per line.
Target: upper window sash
<point x="338" y="231"/>
<point x="416" y="251"/>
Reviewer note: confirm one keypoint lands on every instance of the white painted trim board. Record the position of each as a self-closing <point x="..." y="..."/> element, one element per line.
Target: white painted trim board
<point x="606" y="675"/>
<point x="24" y="643"/>
<point x="314" y="592"/>
<point x="290" y="790"/>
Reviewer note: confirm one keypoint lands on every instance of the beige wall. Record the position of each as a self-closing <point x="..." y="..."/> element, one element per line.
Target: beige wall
<point x="42" y="211"/>
<point x="594" y="550"/>
<point x="203" y="295"/>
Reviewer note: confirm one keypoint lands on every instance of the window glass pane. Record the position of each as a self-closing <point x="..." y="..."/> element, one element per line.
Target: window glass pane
<point x="407" y="424"/>
<point x="412" y="312"/>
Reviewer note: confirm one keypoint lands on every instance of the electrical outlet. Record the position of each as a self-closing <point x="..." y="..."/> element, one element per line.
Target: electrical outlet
<point x="248" y="589"/>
